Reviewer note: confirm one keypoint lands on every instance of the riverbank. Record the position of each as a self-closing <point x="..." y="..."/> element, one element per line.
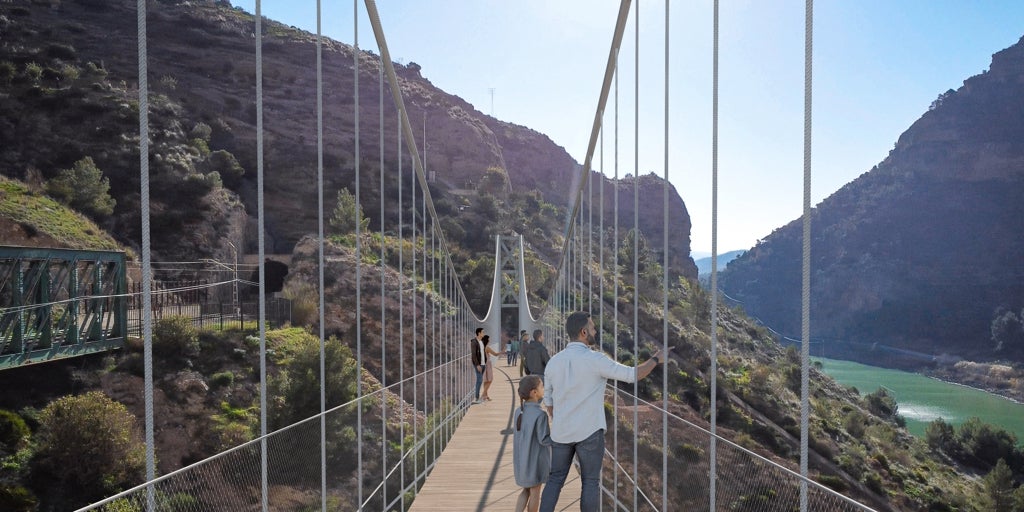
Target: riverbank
<point x="998" y="379"/>
<point x="923" y="399"/>
<point x="1006" y="380"/>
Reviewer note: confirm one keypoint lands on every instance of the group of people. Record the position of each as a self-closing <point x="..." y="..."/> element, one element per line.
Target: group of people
<point x="535" y="357"/>
<point x="571" y="383"/>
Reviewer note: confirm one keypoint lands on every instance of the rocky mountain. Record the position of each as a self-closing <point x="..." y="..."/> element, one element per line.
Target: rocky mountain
<point x="914" y="260"/>
<point x="202" y="77"/>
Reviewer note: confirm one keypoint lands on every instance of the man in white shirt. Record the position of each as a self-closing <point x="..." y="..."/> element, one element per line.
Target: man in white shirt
<point x="574" y="384"/>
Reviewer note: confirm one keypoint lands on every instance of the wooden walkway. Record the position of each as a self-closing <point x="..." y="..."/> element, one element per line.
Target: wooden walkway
<point x="475" y="470"/>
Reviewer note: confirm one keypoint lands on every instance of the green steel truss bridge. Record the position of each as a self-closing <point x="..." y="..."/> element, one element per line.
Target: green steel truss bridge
<point x="378" y="451"/>
<point x="62" y="303"/>
<point x="57" y="303"/>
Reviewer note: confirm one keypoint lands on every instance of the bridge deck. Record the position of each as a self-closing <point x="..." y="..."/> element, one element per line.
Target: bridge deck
<point x="475" y="470"/>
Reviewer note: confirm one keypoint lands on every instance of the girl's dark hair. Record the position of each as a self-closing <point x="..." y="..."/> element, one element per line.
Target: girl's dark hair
<point x="486" y="339"/>
<point x="526" y="385"/>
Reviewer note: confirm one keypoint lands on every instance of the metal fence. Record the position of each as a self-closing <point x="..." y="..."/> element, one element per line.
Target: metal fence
<point x="393" y="466"/>
<point x="744" y="480"/>
<point x="219" y="315"/>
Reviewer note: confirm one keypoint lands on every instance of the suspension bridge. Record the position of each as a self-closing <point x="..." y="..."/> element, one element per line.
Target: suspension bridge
<point x="411" y="439"/>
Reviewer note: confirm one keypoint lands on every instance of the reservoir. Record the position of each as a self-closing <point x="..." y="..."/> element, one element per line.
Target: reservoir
<point x="922" y="399"/>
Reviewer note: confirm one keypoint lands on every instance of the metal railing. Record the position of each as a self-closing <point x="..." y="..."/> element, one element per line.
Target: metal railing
<point x="745" y="480"/>
<point x="393" y="469"/>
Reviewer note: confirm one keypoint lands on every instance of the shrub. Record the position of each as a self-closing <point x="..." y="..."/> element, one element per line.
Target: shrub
<point x="988" y="443"/>
<point x="169" y="82"/>
<point x="17" y="499"/>
<point x="881" y="460"/>
<point x="882" y="404"/>
<point x="793" y="378"/>
<point x="232" y="434"/>
<point x="34" y="72"/>
<point x="89" y="447"/>
<point x="832" y="482"/>
<point x="854" y="422"/>
<point x="688" y="452"/>
<point x="31" y="417"/>
<point x="61" y="51"/>
<point x="305" y="302"/>
<point x="295" y="391"/>
<point x="175" y="335"/>
<point x="201" y="146"/>
<point x="201" y="131"/>
<point x="84" y="188"/>
<point x="12" y="430"/>
<point x="343" y="220"/>
<point x="494" y="181"/>
<point x="941" y="436"/>
<point x="874" y="482"/>
<point x="760" y="376"/>
<point x="95" y="71"/>
<point x="179" y="502"/>
<point x="7" y="72"/>
<point x="222" y="379"/>
<point x="70" y="72"/>
<point x="226" y="164"/>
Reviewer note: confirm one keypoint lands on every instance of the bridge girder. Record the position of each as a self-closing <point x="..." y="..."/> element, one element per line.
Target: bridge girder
<point x="58" y="303"/>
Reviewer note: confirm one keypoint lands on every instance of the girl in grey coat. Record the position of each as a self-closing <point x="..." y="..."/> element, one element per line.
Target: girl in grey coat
<point x="531" y="452"/>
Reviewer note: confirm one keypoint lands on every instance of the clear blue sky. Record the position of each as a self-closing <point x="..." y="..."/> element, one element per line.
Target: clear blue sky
<point x="878" y="64"/>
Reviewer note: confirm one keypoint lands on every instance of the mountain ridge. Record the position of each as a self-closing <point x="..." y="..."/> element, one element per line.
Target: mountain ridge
<point x="192" y="85"/>
<point x="889" y="264"/>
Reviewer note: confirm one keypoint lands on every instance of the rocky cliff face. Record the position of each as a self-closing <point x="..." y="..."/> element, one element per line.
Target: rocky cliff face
<point x="650" y="212"/>
<point x="202" y="62"/>
<point x="913" y="259"/>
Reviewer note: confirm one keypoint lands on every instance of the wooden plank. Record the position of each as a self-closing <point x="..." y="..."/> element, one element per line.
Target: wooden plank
<point x="474" y="472"/>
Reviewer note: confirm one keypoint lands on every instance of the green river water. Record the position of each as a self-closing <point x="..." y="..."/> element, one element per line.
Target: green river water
<point x="923" y="399"/>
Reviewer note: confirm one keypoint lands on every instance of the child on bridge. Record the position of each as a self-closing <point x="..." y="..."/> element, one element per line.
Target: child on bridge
<point x="531" y="452"/>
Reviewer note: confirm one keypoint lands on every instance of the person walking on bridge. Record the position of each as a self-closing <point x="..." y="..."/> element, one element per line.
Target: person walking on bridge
<point x="574" y="384"/>
<point x="490" y="358"/>
<point x="535" y="355"/>
<point x="479" y="356"/>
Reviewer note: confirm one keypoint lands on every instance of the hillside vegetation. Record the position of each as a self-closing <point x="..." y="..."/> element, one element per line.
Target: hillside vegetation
<point x="30" y="218"/>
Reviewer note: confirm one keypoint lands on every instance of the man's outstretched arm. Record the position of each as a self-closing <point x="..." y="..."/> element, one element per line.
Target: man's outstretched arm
<point x="645" y="369"/>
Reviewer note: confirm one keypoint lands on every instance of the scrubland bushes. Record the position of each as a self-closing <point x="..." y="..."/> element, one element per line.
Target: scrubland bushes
<point x="88" y="447"/>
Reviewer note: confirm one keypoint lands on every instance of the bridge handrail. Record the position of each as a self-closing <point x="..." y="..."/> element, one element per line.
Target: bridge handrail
<point x="462" y="406"/>
<point x="622" y="470"/>
<point x="746" y="451"/>
<point x="30" y="307"/>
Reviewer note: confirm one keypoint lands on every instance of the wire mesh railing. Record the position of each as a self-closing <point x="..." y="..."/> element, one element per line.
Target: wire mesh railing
<point x="393" y="468"/>
<point x="746" y="481"/>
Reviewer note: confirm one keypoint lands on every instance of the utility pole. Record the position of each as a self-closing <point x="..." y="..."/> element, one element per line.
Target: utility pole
<point x="234" y="298"/>
<point x="492" y="100"/>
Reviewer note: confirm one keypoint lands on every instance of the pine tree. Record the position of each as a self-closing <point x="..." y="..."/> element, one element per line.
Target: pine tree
<point x="84" y="188"/>
<point x="998" y="488"/>
<point x="345" y="213"/>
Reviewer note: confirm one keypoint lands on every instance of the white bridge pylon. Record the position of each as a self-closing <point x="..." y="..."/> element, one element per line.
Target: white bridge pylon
<point x="509" y="288"/>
